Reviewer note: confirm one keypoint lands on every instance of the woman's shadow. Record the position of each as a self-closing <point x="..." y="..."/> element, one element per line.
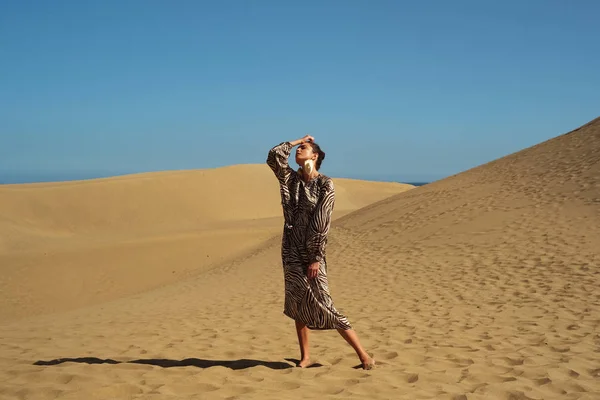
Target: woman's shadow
<point x="165" y="363"/>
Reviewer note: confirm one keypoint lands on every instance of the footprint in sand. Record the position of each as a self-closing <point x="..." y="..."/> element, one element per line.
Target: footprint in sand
<point x="514" y="361"/>
<point x="289" y="385"/>
<point x="411" y="378"/>
<point x="560" y="349"/>
<point x="388" y="356"/>
<point x="205" y="387"/>
<point x="542" y="381"/>
<point x="573" y="374"/>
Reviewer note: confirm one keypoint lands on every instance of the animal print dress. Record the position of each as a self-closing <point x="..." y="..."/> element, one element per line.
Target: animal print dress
<point x="307" y="209"/>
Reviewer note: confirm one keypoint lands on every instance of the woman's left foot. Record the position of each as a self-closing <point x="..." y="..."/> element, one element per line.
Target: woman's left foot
<point x="368" y="363"/>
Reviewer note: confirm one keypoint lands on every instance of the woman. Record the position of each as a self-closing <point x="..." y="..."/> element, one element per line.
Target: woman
<point x="307" y="198"/>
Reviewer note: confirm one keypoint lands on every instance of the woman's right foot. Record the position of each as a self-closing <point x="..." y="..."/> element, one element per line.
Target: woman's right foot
<point x="304" y="363"/>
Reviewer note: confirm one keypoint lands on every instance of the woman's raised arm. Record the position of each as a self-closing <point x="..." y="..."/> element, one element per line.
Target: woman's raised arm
<point x="278" y="156"/>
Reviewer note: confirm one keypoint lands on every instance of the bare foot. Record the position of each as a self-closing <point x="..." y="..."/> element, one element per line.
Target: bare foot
<point x="304" y="363"/>
<point x="368" y="362"/>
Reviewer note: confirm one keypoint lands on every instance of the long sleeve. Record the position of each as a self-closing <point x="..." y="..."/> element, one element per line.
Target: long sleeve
<point x="277" y="160"/>
<point x="320" y="223"/>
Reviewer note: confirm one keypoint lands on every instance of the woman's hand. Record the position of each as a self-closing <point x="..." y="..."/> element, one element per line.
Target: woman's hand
<point x="305" y="139"/>
<point x="313" y="270"/>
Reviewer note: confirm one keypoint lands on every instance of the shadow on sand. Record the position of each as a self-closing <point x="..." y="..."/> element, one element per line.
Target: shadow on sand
<point x="296" y="361"/>
<point x="165" y="363"/>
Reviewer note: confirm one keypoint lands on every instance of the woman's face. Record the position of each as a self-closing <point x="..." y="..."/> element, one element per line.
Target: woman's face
<point x="304" y="152"/>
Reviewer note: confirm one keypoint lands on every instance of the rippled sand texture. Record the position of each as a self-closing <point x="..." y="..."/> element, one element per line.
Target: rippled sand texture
<point x="485" y="285"/>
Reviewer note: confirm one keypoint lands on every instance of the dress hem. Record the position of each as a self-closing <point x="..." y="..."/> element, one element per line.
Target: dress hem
<point x="312" y="328"/>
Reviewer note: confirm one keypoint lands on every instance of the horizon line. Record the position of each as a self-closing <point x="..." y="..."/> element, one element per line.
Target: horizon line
<point x="29" y="177"/>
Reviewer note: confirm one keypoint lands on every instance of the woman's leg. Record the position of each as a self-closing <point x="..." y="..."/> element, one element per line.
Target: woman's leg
<point x="303" y="332"/>
<point x="352" y="339"/>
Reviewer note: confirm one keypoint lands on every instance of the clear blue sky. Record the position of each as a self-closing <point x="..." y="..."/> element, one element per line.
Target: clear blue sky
<point x="410" y="91"/>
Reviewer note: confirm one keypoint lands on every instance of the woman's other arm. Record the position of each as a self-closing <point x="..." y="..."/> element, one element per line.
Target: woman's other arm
<point x="319" y="227"/>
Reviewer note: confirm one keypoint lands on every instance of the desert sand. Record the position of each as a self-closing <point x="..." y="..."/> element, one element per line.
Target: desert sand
<point x="483" y="285"/>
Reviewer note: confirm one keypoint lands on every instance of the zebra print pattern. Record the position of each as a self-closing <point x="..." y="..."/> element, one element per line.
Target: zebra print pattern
<point x="307" y="209"/>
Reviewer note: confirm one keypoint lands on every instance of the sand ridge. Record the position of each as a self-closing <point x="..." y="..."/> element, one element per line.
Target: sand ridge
<point x="484" y="285"/>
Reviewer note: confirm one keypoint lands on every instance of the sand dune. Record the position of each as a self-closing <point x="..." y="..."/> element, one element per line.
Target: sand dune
<point x="71" y="244"/>
<point x="154" y="204"/>
<point x="484" y="285"/>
